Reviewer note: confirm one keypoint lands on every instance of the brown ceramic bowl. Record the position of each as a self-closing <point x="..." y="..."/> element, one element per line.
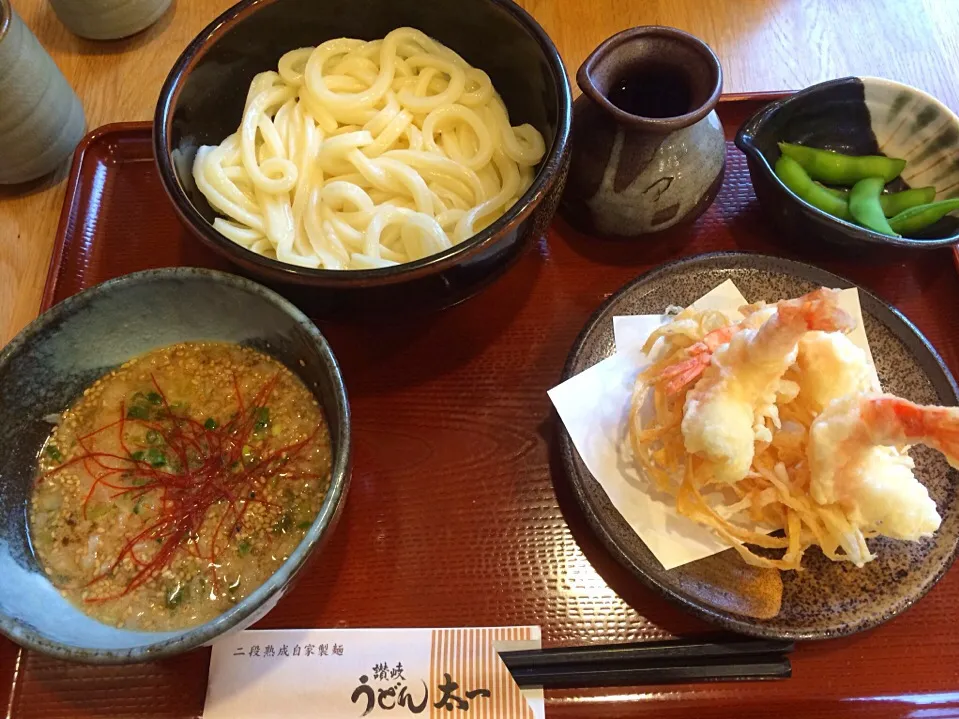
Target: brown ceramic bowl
<point x="203" y="98"/>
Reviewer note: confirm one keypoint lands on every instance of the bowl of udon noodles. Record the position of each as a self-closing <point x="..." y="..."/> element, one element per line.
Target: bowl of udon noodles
<point x="367" y="154"/>
<point x="174" y="450"/>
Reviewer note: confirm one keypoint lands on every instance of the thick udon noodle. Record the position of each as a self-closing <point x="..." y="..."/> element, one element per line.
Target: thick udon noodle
<point x="359" y="155"/>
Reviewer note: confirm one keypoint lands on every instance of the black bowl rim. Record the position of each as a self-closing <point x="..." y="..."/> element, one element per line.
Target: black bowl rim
<point x="748" y="130"/>
<point x="545" y="178"/>
<point x="324" y="523"/>
<point x="568" y="452"/>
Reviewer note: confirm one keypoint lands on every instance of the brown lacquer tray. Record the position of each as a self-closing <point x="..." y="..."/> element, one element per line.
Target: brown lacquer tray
<point x="459" y="512"/>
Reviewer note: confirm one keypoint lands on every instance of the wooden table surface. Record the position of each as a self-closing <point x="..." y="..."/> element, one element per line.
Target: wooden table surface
<point x="763" y="45"/>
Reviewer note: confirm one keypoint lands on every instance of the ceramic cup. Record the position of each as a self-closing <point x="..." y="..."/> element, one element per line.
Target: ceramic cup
<point x="41" y="118"/>
<point x="108" y="19"/>
<point x="648" y="148"/>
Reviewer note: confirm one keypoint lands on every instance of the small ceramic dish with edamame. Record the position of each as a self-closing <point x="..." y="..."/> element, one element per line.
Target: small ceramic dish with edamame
<point x="897" y="150"/>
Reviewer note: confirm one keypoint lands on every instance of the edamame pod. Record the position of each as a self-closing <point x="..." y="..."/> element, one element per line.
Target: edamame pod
<point x="894" y="202"/>
<point x="837" y="169"/>
<point x="914" y="219"/>
<point x="865" y="208"/>
<point x="794" y="177"/>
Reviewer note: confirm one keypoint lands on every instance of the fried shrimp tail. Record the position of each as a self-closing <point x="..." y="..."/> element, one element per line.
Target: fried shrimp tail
<point x="891" y="420"/>
<point x="818" y="310"/>
<point x="678" y="375"/>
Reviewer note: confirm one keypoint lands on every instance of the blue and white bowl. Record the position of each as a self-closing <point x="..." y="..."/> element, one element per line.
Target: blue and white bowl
<point x="856" y="116"/>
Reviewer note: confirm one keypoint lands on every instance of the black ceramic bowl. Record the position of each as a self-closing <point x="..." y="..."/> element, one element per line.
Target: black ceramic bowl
<point x="203" y="98"/>
<point x="48" y="365"/>
<point x="856" y="116"/>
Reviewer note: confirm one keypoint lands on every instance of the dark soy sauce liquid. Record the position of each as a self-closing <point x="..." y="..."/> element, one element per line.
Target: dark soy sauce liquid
<point x="653" y="91"/>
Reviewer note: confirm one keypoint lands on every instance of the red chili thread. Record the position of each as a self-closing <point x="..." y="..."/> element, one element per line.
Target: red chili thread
<point x="215" y="475"/>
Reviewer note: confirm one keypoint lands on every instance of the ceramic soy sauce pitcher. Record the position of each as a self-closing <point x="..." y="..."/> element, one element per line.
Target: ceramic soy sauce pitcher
<point x="648" y="149"/>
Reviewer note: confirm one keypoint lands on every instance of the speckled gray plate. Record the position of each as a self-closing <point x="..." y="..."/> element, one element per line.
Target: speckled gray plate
<point x="828" y="599"/>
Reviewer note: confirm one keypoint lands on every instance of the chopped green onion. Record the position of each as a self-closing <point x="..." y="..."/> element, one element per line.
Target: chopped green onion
<point x="138" y="411"/>
<point x="262" y="419"/>
<point x="243" y="548"/>
<point x="138" y="455"/>
<point x="249" y="455"/>
<point x="53" y="452"/>
<point x="156" y="457"/>
<point x="304" y="525"/>
<point x="154" y="398"/>
<point x="210" y="424"/>
<point x="176" y="596"/>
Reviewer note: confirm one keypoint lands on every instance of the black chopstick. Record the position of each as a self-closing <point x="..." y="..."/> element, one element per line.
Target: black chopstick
<point x="645" y="652"/>
<point x="623" y="675"/>
<point x="663" y="662"/>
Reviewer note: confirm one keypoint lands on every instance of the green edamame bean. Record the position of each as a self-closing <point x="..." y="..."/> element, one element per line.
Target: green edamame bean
<point x="864" y="205"/>
<point x="840" y="192"/>
<point x="837" y="169"/>
<point x="795" y="178"/>
<point x="894" y="202"/>
<point x="918" y="218"/>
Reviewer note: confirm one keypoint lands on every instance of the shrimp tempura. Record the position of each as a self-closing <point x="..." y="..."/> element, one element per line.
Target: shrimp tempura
<point x="725" y="406"/>
<point x="854" y="460"/>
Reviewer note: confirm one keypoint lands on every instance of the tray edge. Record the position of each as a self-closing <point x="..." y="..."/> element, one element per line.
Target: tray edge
<point x="74" y="187"/>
